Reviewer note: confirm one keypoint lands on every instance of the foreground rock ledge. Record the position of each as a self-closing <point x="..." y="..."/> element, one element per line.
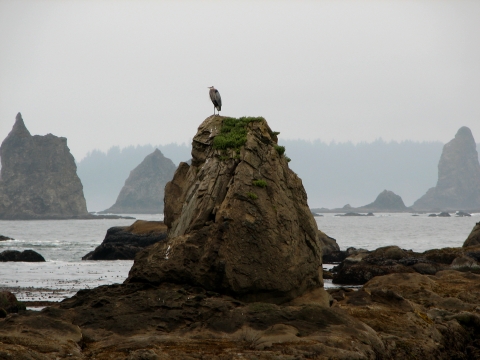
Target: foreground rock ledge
<point x="227" y="234"/>
<point x="398" y="316"/>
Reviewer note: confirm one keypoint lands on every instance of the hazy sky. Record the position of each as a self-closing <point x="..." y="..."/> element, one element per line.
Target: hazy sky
<point x="104" y="73"/>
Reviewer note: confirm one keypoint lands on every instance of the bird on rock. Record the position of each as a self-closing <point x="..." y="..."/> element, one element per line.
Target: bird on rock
<point x="216" y="99"/>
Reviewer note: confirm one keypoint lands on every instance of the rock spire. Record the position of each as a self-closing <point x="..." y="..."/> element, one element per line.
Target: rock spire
<point x="458" y="185"/>
<point x="38" y="179"/>
<point x="238" y="219"/>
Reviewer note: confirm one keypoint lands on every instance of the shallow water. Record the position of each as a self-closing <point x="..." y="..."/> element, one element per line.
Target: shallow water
<point x="63" y="243"/>
<point x="418" y="233"/>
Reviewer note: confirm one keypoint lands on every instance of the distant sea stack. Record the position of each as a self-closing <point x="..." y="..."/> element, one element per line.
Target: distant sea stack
<point x="387" y="201"/>
<point x="458" y="185"/>
<point x="144" y="189"/>
<point x="38" y="179"/>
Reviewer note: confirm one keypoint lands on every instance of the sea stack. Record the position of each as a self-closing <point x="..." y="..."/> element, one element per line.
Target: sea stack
<point x="238" y="220"/>
<point x="458" y="185"/>
<point x="386" y="201"/>
<point x="143" y="191"/>
<point x="38" y="179"/>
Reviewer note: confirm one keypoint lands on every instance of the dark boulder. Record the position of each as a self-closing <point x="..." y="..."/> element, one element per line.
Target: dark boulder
<point x="329" y="245"/>
<point x="351" y="214"/>
<point x="124" y="242"/>
<point x="3" y="238"/>
<point x="339" y="255"/>
<point x="9" y="304"/>
<point x="26" y="256"/>
<point x="360" y="267"/>
<point x="444" y="214"/>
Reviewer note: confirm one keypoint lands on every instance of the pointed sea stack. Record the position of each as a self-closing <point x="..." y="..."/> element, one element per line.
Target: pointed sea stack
<point x="238" y="220"/>
<point x="143" y="191"/>
<point x="458" y="185"/>
<point x="38" y="179"/>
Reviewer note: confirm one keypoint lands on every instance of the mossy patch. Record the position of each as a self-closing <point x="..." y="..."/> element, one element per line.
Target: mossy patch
<point x="260" y="183"/>
<point x="252" y="196"/>
<point x="233" y="133"/>
<point x="280" y="149"/>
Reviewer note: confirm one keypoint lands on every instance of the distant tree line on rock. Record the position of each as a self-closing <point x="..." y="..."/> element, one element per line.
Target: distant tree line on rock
<point x="333" y="174"/>
<point x="103" y="174"/>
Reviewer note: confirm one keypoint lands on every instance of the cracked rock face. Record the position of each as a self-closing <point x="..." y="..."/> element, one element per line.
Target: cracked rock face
<point x="229" y="235"/>
<point x="38" y="177"/>
<point x="458" y="185"/>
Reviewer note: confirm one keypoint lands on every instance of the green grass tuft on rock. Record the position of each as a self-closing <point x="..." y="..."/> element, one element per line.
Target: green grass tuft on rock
<point x="280" y="149"/>
<point x="252" y="196"/>
<point x="233" y="133"/>
<point x="260" y="183"/>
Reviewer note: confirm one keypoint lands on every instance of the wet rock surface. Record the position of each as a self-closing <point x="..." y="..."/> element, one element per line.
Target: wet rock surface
<point x="38" y="177"/>
<point x="124" y="242"/>
<point x="143" y="191"/>
<point x="359" y="268"/>
<point x="3" y="238"/>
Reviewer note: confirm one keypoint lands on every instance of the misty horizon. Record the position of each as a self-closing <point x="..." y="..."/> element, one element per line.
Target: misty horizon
<point x="327" y="171"/>
<point x="107" y="73"/>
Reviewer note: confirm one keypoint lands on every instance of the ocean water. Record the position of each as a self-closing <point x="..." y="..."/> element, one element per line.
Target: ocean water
<point x="418" y="233"/>
<point x="63" y="243"/>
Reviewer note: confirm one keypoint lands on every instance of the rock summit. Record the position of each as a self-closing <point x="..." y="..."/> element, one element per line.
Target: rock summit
<point x="38" y="179"/>
<point x="238" y="220"/>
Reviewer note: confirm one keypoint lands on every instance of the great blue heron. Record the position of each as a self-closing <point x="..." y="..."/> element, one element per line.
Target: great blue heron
<point x="216" y="99"/>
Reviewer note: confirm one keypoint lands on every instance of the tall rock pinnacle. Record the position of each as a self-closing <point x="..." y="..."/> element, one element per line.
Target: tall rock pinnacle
<point x="458" y="185"/>
<point x="19" y="129"/>
<point x="38" y="178"/>
<point x="238" y="219"/>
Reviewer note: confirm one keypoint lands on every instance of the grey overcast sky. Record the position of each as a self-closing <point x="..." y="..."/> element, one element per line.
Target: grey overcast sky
<point x="104" y="73"/>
